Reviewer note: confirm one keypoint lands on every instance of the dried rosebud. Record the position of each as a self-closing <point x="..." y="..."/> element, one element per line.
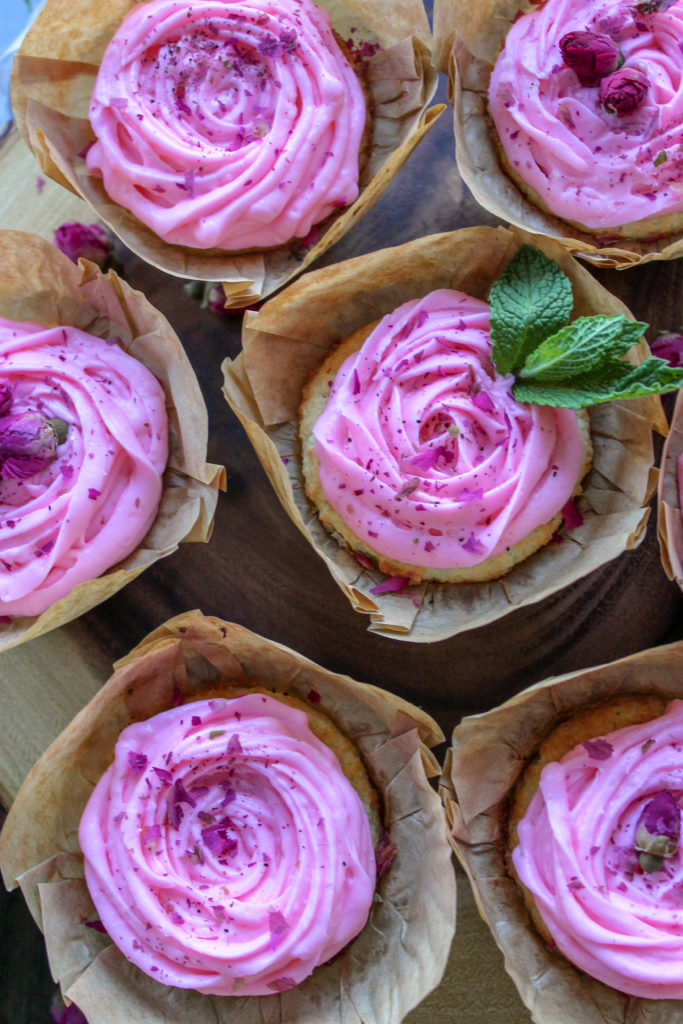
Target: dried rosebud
<point x="669" y="347"/>
<point x="5" y="396"/>
<point x="27" y="444"/>
<point x="624" y="91"/>
<point x="87" y="240"/>
<point x="658" y="830"/>
<point x="214" y="298"/>
<point x="591" y="55"/>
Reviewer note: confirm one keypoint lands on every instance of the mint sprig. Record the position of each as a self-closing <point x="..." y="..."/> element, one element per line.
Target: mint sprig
<point x="530" y="300"/>
<point x="569" y="365"/>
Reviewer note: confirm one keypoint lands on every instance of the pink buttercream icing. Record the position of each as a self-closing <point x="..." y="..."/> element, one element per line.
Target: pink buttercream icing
<point x="576" y="855"/>
<point x="423" y="451"/>
<point x="586" y="164"/>
<point x="225" y="850"/>
<point x="94" y="502"/>
<point x="233" y="124"/>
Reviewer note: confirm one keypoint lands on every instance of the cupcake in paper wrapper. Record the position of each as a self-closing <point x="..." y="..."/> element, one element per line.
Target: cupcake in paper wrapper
<point x="477" y="804"/>
<point x="54" y="75"/>
<point x="400" y="954"/>
<point x="42" y="286"/>
<point x="291" y="335"/>
<point x="467" y="40"/>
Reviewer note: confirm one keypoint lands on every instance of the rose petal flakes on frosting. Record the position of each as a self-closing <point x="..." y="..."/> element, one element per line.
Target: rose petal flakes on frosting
<point x="245" y="903"/>
<point x="95" y="500"/>
<point x="241" y="125"/>
<point x="420" y="466"/>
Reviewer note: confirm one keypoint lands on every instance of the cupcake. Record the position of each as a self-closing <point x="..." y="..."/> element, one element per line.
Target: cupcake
<point x="419" y="457"/>
<point x="574" y="130"/>
<point x="571" y="841"/>
<point x="250" y="826"/>
<point x="95" y="470"/>
<point x="224" y="139"/>
<point x="83" y="448"/>
<point x="413" y="287"/>
<point x="263" y="121"/>
<point x="594" y="835"/>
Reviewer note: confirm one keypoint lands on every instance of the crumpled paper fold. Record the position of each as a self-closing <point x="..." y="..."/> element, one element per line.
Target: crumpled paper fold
<point x="291" y="335"/>
<point x="669" y="512"/>
<point x="54" y="74"/>
<point x="397" y="959"/>
<point x="467" y="39"/>
<point x="39" y="283"/>
<point x="487" y="756"/>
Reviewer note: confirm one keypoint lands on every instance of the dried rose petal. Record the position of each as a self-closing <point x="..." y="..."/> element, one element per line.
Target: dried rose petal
<point x="6" y="391"/>
<point x="624" y="91"/>
<point x="217" y="841"/>
<point x="137" y="762"/>
<point x="651" y="6"/>
<point x="282" y="984"/>
<point x="278" y="928"/>
<point x="62" y="1014"/>
<point x="96" y="926"/>
<point x="598" y="750"/>
<point x="669" y="347"/>
<point x="591" y="55"/>
<point x="658" y="830"/>
<point x="27" y="444"/>
<point x="87" y="240"/>
<point x="385" y="851"/>
<point x="571" y="515"/>
<point x="393" y="585"/>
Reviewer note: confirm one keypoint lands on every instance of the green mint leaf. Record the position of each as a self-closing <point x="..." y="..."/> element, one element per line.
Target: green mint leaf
<point x="582" y="346"/>
<point x="612" y="381"/>
<point x="530" y="300"/>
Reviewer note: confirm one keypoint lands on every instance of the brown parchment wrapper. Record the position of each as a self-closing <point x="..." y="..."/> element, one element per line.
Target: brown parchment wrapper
<point x="401" y="953"/>
<point x="467" y="40"/>
<point x="54" y="74"/>
<point x="487" y="756"/>
<point x="669" y="513"/>
<point x="291" y="335"/>
<point x="39" y="283"/>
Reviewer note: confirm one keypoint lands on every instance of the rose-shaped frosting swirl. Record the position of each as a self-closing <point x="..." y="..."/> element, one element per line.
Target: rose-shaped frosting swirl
<point x="233" y="124"/>
<point x="225" y="850"/>
<point x="94" y="502"/>
<point x="600" y="167"/>
<point x="576" y="855"/>
<point x="423" y="451"/>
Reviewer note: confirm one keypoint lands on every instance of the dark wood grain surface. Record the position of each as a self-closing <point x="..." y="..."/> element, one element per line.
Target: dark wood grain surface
<point x="260" y="572"/>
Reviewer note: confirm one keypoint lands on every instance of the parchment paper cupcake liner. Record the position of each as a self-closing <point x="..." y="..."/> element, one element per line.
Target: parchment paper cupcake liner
<point x="669" y="513"/>
<point x="54" y="74"/>
<point x="467" y="39"/>
<point x="290" y="336"/>
<point x="398" y="957"/>
<point x="39" y="283"/>
<point x="487" y="756"/>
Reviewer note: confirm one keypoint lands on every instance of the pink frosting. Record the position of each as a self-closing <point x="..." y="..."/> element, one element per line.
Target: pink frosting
<point x="225" y="850"/>
<point x="586" y="164"/>
<point x="576" y="855"/>
<point x="93" y="504"/>
<point x="423" y="451"/>
<point x="233" y="124"/>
